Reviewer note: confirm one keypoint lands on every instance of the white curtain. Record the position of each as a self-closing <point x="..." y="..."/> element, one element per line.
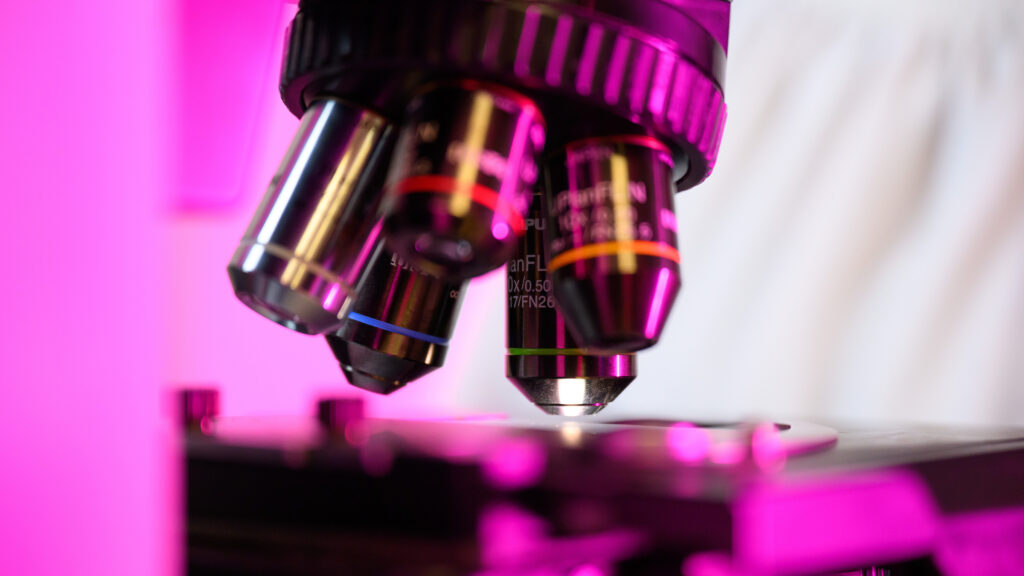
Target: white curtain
<point x="859" y="251"/>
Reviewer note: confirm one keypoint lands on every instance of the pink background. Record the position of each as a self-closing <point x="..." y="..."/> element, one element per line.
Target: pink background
<point x="135" y="140"/>
<point x="86" y="482"/>
<point x="827" y="275"/>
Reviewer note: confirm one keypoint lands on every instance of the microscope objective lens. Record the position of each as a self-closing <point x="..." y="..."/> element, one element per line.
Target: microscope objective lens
<point x="614" y="264"/>
<point x="544" y="361"/>
<point x="300" y="259"/>
<point x="460" y="181"/>
<point x="440" y="141"/>
<point x="398" y="326"/>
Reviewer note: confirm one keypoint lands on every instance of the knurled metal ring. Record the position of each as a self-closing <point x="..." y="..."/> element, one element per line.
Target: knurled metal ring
<point x="669" y="86"/>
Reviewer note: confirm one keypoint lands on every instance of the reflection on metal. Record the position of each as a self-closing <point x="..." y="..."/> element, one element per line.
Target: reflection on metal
<point x="398" y="326"/>
<point x="517" y="542"/>
<point x="571" y="391"/>
<point x="544" y="361"/>
<point x="613" y="257"/>
<point x="309" y="241"/>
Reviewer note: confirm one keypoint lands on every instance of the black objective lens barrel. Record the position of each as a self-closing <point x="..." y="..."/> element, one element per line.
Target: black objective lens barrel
<point x="398" y="326"/>
<point x="544" y="361"/>
<point x="614" y="263"/>
<point x="460" y="182"/>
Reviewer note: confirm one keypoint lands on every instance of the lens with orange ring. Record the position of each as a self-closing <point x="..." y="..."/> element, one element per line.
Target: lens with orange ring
<point x="614" y="263"/>
<point x="460" y="181"/>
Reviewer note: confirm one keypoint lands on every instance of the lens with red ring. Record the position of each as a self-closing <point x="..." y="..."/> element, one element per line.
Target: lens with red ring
<point x="460" y="180"/>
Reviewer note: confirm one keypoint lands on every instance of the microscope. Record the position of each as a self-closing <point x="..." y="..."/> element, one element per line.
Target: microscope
<point x="443" y="139"/>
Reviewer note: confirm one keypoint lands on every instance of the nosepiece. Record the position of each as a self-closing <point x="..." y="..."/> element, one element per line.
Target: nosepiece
<point x="398" y="326"/>
<point x="460" y="184"/>
<point x="613" y="262"/>
<point x="313" y="232"/>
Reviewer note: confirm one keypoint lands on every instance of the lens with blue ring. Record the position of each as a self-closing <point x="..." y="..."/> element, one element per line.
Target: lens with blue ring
<point x="398" y="326"/>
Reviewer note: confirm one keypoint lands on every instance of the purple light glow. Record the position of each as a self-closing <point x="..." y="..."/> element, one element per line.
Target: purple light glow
<point x="588" y="570"/>
<point x="537" y="136"/>
<point x="515" y="464"/>
<point x="708" y="564"/>
<point x="700" y="98"/>
<point x="678" y="108"/>
<point x="657" y="303"/>
<point x="559" y="46"/>
<point x="499" y="231"/>
<point x="667" y="218"/>
<point x="513" y="180"/>
<point x="641" y="78"/>
<point x="728" y="452"/>
<point x="331" y="298"/>
<point x="827" y="523"/>
<point x="616" y="69"/>
<point x="688" y="443"/>
<point x="212" y="148"/>
<point x="712" y="138"/>
<point x="525" y="49"/>
<point x="660" y="83"/>
<point x="507" y="533"/>
<point x="588" y="62"/>
<point x="89" y="484"/>
<point x="990" y="542"/>
<point x="767" y="448"/>
<point x="619" y="365"/>
<point x="515" y="542"/>
<point x="365" y="252"/>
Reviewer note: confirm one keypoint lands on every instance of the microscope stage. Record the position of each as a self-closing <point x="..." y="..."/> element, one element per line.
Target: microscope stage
<point x="626" y="496"/>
